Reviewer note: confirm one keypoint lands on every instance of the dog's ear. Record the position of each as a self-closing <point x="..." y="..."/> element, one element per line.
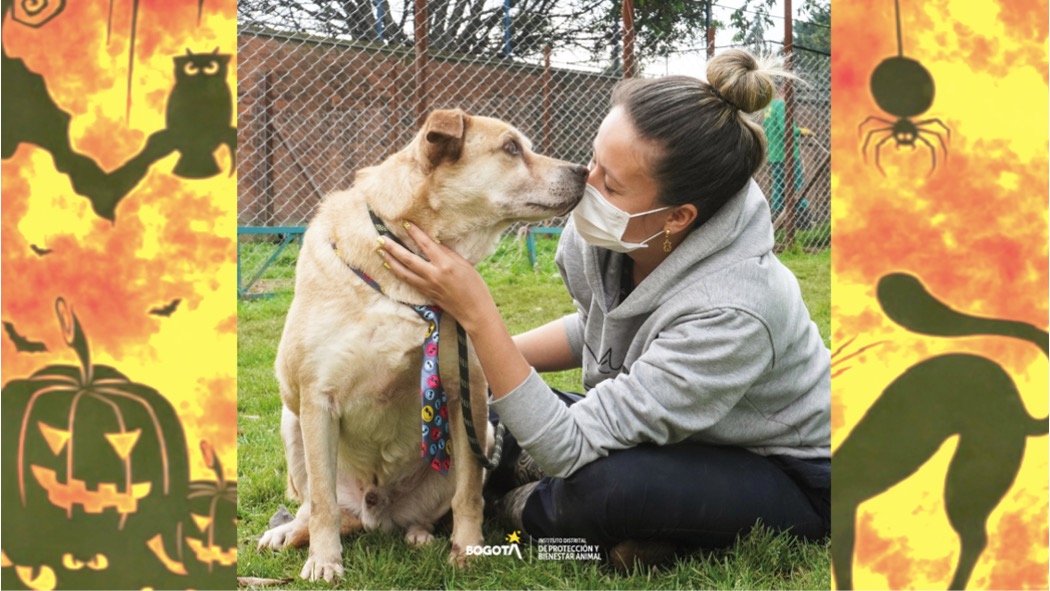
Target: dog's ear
<point x="443" y="136"/>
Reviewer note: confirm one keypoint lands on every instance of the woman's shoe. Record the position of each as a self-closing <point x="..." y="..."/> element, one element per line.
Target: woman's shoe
<point x="643" y="553"/>
<point x="507" y="509"/>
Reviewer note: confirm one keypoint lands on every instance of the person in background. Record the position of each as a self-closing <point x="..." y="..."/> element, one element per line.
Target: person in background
<point x="774" y="123"/>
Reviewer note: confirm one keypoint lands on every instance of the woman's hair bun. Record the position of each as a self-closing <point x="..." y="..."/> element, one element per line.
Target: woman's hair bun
<point x="743" y="80"/>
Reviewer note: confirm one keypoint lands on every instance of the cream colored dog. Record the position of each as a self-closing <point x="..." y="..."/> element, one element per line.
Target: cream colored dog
<point x="349" y="360"/>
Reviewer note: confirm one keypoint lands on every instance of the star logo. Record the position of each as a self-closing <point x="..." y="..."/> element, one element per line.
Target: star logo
<point x="514" y="537"/>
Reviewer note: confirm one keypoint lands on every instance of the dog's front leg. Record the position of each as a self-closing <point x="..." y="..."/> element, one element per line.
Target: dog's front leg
<point x="319" y="419"/>
<point x="467" y="503"/>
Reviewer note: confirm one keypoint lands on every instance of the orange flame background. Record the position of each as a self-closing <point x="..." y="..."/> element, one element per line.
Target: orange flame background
<point x="173" y="238"/>
<point x="975" y="232"/>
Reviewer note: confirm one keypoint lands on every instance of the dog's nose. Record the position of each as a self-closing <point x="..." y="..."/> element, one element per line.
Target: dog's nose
<point x="581" y="171"/>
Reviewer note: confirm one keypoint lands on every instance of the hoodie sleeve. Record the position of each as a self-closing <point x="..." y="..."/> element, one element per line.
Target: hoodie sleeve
<point x="574" y="333"/>
<point x="688" y="379"/>
<point x="568" y="255"/>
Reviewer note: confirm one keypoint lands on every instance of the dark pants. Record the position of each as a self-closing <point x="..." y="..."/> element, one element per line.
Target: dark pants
<point x="689" y="494"/>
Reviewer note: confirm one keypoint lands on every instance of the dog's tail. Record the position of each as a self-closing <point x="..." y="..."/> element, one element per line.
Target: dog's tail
<point x="906" y="301"/>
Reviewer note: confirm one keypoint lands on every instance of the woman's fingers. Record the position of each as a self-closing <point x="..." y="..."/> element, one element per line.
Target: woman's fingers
<point x="438" y="272"/>
<point x="428" y="245"/>
<point x="434" y="258"/>
<point x="404" y="263"/>
<point x="394" y="249"/>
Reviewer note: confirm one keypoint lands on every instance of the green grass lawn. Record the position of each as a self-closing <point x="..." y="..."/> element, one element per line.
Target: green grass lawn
<point x="527" y="298"/>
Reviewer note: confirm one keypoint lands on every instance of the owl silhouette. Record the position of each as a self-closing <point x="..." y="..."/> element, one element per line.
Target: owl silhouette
<point x="200" y="113"/>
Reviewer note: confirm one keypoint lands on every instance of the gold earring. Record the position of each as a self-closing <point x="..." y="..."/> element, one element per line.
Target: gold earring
<point x="667" y="240"/>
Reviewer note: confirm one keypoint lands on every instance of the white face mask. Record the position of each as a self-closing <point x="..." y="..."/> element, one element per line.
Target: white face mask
<point x="601" y="223"/>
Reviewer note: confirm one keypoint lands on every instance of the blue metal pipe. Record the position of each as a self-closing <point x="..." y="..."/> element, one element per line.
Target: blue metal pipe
<point x="379" y="19"/>
<point x="506" y="28"/>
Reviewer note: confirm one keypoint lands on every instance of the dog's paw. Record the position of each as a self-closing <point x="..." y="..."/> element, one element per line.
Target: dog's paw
<point x="417" y="536"/>
<point x="458" y="557"/>
<point x="317" y="569"/>
<point x="279" y="537"/>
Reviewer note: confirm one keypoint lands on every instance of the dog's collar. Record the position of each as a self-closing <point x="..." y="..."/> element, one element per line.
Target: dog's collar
<point x="383" y="230"/>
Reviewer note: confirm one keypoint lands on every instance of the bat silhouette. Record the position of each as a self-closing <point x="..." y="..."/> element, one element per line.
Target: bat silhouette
<point x="40" y="251"/>
<point x="166" y="310"/>
<point x="22" y="344"/>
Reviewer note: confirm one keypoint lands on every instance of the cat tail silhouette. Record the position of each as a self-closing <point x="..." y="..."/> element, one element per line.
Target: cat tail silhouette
<point x="1037" y="427"/>
<point x="908" y="303"/>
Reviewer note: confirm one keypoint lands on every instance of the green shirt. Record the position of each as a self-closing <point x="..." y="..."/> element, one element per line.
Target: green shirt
<point x="773" y="121"/>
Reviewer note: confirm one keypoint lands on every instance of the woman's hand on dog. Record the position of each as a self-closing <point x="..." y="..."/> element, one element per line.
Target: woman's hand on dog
<point x="450" y="281"/>
<point x="444" y="276"/>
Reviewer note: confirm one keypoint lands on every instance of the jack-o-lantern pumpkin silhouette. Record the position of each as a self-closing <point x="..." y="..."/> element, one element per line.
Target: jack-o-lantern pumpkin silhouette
<point x="94" y="466"/>
<point x="213" y="511"/>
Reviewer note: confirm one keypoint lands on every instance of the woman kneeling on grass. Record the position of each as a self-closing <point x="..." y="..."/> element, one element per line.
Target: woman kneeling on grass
<point x="708" y="386"/>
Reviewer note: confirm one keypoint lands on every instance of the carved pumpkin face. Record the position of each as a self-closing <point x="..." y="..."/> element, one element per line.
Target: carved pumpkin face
<point x="212" y="534"/>
<point x="86" y="471"/>
<point x="44" y="578"/>
<point x="94" y="465"/>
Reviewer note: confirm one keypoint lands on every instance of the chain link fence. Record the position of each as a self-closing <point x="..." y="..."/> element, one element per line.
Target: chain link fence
<point x="316" y="105"/>
<point x="808" y="223"/>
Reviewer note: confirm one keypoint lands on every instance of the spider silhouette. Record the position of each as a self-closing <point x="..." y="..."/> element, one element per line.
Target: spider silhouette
<point x="903" y="88"/>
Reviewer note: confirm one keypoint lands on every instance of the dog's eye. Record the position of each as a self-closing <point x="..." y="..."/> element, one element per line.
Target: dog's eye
<point x="512" y="147"/>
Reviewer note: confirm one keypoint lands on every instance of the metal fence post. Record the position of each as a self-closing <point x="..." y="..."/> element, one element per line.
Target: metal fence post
<point x="546" y="137"/>
<point x="628" y="38"/>
<point x="420" y="64"/>
<point x="790" y="198"/>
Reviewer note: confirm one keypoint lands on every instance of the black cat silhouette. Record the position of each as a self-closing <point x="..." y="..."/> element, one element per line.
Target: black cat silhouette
<point x="940" y="397"/>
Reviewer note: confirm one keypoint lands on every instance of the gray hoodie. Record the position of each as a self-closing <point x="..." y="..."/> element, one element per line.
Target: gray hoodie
<point x="716" y="346"/>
